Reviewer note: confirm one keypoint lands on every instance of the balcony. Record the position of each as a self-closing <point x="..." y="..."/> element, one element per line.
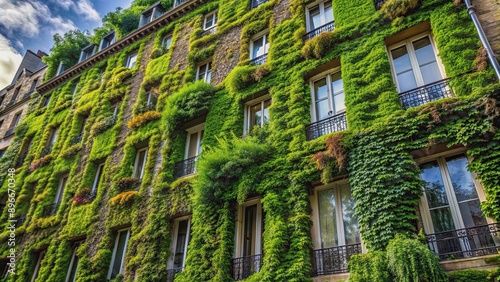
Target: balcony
<point x="378" y="3"/>
<point x="75" y="139"/>
<point x="257" y="3"/>
<point x="9" y="132"/>
<point x="46" y="151"/>
<point x="50" y="209"/>
<point x="243" y="267"/>
<point x="315" y="32"/>
<point x="333" y="260"/>
<point x="185" y="167"/>
<point x="332" y="124"/>
<point x="20" y="160"/>
<point x="260" y="60"/>
<point x="425" y="94"/>
<point x="171" y="274"/>
<point x="466" y="243"/>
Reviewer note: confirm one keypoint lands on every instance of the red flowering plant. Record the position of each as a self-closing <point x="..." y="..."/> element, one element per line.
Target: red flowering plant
<point x="84" y="197"/>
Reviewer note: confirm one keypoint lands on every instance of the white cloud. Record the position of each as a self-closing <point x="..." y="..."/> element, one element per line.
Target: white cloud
<point x="81" y="7"/>
<point x="9" y="62"/>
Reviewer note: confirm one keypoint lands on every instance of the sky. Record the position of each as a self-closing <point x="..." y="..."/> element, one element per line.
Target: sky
<point x="31" y="24"/>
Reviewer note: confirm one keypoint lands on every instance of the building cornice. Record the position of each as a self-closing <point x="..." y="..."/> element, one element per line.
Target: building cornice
<point x="136" y="35"/>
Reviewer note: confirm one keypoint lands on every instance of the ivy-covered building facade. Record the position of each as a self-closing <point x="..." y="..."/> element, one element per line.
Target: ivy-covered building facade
<point x="260" y="141"/>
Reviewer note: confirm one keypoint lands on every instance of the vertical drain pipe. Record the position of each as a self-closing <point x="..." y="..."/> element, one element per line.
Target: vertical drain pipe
<point x="493" y="60"/>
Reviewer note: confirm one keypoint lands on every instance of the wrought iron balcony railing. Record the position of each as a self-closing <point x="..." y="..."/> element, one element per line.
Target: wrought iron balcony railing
<point x="425" y="94"/>
<point x="465" y="243"/>
<point x="75" y="140"/>
<point x="378" y="3"/>
<point x="243" y="267"/>
<point x="50" y="209"/>
<point x="171" y="274"/>
<point x="333" y="260"/>
<point x="257" y="3"/>
<point x="46" y="151"/>
<point x="9" y="132"/>
<point x="185" y="167"/>
<point x="260" y="60"/>
<point x="332" y="124"/>
<point x="315" y="32"/>
<point x="20" y="160"/>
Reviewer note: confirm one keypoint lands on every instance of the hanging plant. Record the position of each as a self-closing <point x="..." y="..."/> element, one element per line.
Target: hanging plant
<point x="393" y="9"/>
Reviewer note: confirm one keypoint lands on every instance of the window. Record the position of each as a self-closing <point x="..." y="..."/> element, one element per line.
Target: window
<point x="194" y="140"/>
<point x="166" y="41"/>
<point x="60" y="189"/>
<point x="87" y="52"/>
<point x="45" y="101"/>
<point x="210" y="21"/>
<point x="328" y="96"/>
<point x="38" y="258"/>
<point x="257" y="113"/>
<point x="16" y="93"/>
<point x="319" y="15"/>
<point x="107" y="40"/>
<point x="34" y="84"/>
<point x="258" y="49"/>
<point x="180" y="243"/>
<point x="53" y="137"/>
<point x="335" y="228"/>
<point x="16" y="119"/>
<point x="204" y="72"/>
<point x="118" y="258"/>
<point x="179" y="2"/>
<point x="60" y="68"/>
<point x="73" y="264"/>
<point x="75" y="87"/>
<point x="131" y="60"/>
<point x="414" y="63"/>
<point x="97" y="178"/>
<point x="140" y="162"/>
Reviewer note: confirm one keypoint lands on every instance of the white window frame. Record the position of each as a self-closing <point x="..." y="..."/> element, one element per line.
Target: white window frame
<point x="140" y="174"/>
<point x="132" y="60"/>
<point x="195" y="129"/>
<point x="41" y="256"/>
<point x="267" y="45"/>
<point x="72" y="261"/>
<point x="122" y="263"/>
<point x="413" y="59"/>
<point x="60" y="188"/>
<point x="322" y="16"/>
<point x="213" y="16"/>
<point x="208" y="69"/>
<point x="97" y="177"/>
<point x="165" y="40"/>
<point x="240" y="228"/>
<point x="423" y="206"/>
<point x="173" y="245"/>
<point x="248" y="105"/>
<point x="328" y="75"/>
<point x="315" y="230"/>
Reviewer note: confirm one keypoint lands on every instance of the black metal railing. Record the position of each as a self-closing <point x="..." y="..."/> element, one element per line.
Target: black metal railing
<point x="9" y="132"/>
<point x="243" y="267"/>
<point x="257" y="3"/>
<point x="332" y="124"/>
<point x="333" y="260"/>
<point x="378" y="3"/>
<point x="315" y="32"/>
<point x="465" y="243"/>
<point x="425" y="94"/>
<point x="50" y="209"/>
<point x="185" y="167"/>
<point x="46" y="151"/>
<point x="75" y="140"/>
<point x="260" y="60"/>
<point x="20" y="160"/>
<point x="171" y="274"/>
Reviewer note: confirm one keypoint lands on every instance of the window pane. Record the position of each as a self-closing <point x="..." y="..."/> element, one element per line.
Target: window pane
<point x="442" y="219"/>
<point x="208" y="76"/>
<point x="141" y="156"/>
<point x="255" y="115"/>
<point x="328" y="12"/>
<point x="434" y="186"/>
<point x="258" y="48"/>
<point x="461" y="178"/>
<point x="314" y="17"/>
<point x="427" y="60"/>
<point x="250" y="229"/>
<point x="200" y="142"/>
<point x="472" y="214"/>
<point x="351" y="228"/>
<point x="193" y="145"/>
<point x="320" y="89"/>
<point x="327" y="218"/>
<point x="406" y="81"/>
<point x="322" y="109"/>
<point x="267" y="104"/>
<point x="201" y="72"/>
<point x="338" y="93"/>
<point x="74" y="268"/>
<point x="120" y="251"/>
<point x="167" y="41"/>
<point x="180" y="247"/>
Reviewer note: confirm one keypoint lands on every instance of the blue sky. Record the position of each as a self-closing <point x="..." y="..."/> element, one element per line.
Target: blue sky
<point x="31" y="24"/>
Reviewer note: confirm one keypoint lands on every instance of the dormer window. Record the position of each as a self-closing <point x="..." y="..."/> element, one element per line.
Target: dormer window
<point x="60" y="68"/>
<point x="179" y="2"/>
<point x="151" y="14"/>
<point x="87" y="52"/>
<point x="34" y="84"/>
<point x="107" y="40"/>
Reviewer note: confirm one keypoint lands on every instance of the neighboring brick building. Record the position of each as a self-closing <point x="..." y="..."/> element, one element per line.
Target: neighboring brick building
<point x="327" y="128"/>
<point x="15" y="98"/>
